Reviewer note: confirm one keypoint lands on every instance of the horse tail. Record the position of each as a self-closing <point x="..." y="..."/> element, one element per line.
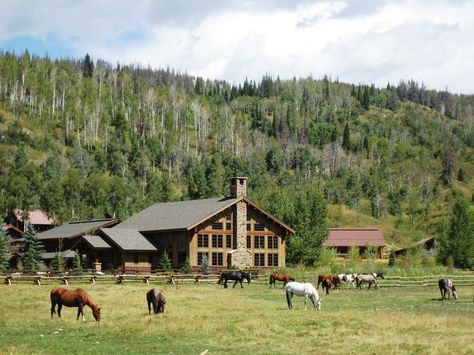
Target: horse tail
<point x="288" y="298"/>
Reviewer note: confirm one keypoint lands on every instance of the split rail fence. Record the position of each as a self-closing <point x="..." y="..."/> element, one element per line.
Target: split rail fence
<point x="465" y="279"/>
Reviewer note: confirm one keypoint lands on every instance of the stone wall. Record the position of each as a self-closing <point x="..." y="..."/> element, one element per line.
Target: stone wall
<point x="241" y="258"/>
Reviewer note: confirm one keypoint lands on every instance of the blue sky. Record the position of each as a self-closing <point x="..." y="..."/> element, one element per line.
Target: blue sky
<point x="364" y="41"/>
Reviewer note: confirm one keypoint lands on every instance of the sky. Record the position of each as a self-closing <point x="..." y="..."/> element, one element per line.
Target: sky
<point x="354" y="41"/>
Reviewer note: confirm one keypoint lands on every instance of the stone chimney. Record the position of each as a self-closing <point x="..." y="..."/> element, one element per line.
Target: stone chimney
<point x="238" y="186"/>
<point x="241" y="257"/>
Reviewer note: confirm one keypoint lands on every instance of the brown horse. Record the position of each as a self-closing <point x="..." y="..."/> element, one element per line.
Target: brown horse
<point x="329" y="281"/>
<point x="77" y="298"/>
<point x="285" y="278"/>
<point x="158" y="299"/>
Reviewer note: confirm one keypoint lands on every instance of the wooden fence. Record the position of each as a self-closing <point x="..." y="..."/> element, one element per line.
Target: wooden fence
<point x="466" y="279"/>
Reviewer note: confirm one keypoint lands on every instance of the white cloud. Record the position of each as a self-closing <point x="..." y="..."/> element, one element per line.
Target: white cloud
<point x="354" y="40"/>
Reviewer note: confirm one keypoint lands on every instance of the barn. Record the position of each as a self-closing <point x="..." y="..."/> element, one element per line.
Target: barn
<point x="230" y="231"/>
<point x="344" y="238"/>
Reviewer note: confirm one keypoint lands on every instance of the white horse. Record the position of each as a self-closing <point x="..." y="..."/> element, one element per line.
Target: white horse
<point x="446" y="287"/>
<point x="348" y="278"/>
<point x="302" y="289"/>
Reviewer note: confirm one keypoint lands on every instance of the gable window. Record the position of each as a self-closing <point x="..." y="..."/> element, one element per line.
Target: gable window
<point x="217" y="240"/>
<point x="272" y="242"/>
<point x="217" y="226"/>
<point x="259" y="259"/>
<point x="228" y="241"/>
<point x="259" y="242"/>
<point x="200" y="255"/>
<point x="248" y="226"/>
<point x="258" y="227"/>
<point x="203" y="241"/>
<point x="228" y="226"/>
<point x="272" y="259"/>
<point x="228" y="216"/>
<point x="217" y="259"/>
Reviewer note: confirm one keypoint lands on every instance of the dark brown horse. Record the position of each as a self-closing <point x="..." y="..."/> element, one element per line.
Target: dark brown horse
<point x="157" y="298"/>
<point x="285" y="278"/>
<point x="328" y="281"/>
<point x="77" y="298"/>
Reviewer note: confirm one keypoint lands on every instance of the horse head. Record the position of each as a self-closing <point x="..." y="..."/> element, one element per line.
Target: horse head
<point x="96" y="313"/>
<point x="247" y="276"/>
<point x="380" y="274"/>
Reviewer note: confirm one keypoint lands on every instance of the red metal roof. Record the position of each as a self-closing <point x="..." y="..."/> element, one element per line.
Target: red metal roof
<point x="357" y="237"/>
<point x="35" y="217"/>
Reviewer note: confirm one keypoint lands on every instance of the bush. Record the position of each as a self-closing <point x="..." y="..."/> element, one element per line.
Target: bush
<point x="165" y="262"/>
<point x="187" y="269"/>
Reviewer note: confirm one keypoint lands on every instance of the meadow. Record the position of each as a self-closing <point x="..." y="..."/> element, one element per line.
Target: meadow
<point x="255" y="319"/>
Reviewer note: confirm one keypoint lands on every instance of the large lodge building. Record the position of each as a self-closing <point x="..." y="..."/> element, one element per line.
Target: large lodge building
<point x="230" y="231"/>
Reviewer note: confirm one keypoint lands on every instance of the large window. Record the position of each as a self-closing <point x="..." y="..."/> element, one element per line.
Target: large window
<point x="272" y="259"/>
<point x="258" y="227"/>
<point x="228" y="226"/>
<point x="249" y="242"/>
<point x="217" y="241"/>
<point x="217" y="259"/>
<point x="259" y="242"/>
<point x="203" y="241"/>
<point x="272" y="242"/>
<point x="200" y="255"/>
<point x="228" y="241"/>
<point x="249" y="226"/>
<point x="259" y="259"/>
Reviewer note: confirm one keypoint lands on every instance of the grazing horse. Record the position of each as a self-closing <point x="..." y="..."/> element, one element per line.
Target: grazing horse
<point x="329" y="281"/>
<point x="238" y="276"/>
<point x="369" y="278"/>
<point x="280" y="277"/>
<point x="77" y="298"/>
<point x="157" y="298"/>
<point x="446" y="286"/>
<point x="302" y="289"/>
<point x="348" y="278"/>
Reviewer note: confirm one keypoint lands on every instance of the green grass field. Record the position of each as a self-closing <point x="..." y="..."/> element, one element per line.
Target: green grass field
<point x="250" y="320"/>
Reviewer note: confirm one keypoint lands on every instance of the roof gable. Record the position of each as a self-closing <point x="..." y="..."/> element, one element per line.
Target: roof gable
<point x="358" y="237"/>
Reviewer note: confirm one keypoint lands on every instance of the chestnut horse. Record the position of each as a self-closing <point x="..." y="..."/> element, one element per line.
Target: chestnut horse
<point x="158" y="299"/>
<point x="77" y="298"/>
<point x="285" y="278"/>
<point x="329" y="280"/>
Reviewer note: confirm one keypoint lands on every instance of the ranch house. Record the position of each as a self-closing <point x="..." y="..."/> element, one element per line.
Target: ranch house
<point x="344" y="238"/>
<point x="229" y="231"/>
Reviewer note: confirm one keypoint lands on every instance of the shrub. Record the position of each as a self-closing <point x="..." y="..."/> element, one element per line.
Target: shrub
<point x="187" y="269"/>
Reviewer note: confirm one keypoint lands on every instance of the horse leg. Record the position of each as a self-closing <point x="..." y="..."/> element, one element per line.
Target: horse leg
<point x="60" y="306"/>
<point x="225" y="283"/>
<point x="53" y="306"/>
<point x="289" y="295"/>
<point x="235" y="283"/>
<point x="241" y="286"/>
<point x="305" y="299"/>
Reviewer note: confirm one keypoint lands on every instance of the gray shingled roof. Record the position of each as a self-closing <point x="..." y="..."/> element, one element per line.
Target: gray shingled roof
<point x="175" y="215"/>
<point x="74" y="229"/>
<point x="96" y="241"/>
<point x="68" y="254"/>
<point x="128" y="239"/>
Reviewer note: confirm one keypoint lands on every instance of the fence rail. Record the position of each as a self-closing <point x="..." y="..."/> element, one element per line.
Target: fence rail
<point x="178" y="278"/>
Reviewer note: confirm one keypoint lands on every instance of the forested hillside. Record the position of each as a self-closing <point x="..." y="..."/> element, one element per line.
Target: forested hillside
<point x="80" y="139"/>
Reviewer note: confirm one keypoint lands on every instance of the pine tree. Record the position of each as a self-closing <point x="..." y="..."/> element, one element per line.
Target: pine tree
<point x="187" y="269"/>
<point x="165" y="262"/>
<point x="205" y="265"/>
<point x="32" y="251"/>
<point x="346" y="137"/>
<point x="4" y="255"/>
<point x="456" y="238"/>
<point x="366" y="98"/>
<point x="76" y="264"/>
<point x="391" y="258"/>
<point x="88" y="67"/>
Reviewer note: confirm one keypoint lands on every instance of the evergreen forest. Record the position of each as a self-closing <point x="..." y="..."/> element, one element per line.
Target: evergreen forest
<point x="83" y="139"/>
